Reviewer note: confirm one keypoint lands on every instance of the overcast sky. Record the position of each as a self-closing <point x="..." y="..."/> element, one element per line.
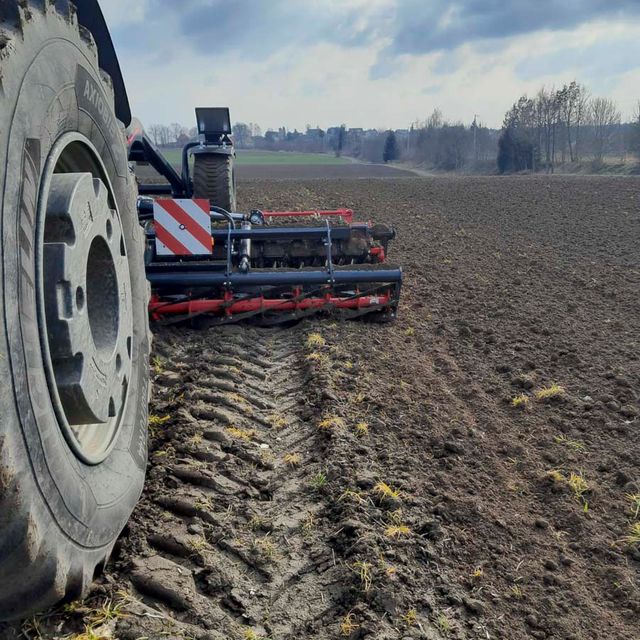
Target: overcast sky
<point x="369" y="63"/>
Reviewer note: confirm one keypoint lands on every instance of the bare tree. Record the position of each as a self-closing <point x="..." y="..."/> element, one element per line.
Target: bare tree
<point x="582" y="112"/>
<point x="241" y="134"/>
<point x="160" y="135"/>
<point x="569" y="101"/>
<point x="634" y="142"/>
<point x="604" y="119"/>
<point x="175" y="131"/>
<point x="435" y="120"/>
<point x="549" y="108"/>
<point x="563" y="143"/>
<point x="155" y="131"/>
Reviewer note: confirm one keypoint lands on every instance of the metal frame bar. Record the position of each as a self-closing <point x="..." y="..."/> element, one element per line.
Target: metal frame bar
<point x="282" y="233"/>
<point x="265" y="278"/>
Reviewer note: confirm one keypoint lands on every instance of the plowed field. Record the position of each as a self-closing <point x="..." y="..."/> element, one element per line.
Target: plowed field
<point x="470" y="471"/>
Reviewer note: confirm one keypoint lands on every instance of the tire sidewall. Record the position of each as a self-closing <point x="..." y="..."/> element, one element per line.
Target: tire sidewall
<point x="43" y="101"/>
<point x="234" y="185"/>
<point x="221" y="189"/>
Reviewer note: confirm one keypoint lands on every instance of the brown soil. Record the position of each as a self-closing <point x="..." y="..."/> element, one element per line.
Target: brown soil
<point x="264" y="516"/>
<point x="310" y="172"/>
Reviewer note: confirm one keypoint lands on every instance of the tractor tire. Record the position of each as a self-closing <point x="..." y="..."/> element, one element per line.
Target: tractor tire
<point x="214" y="179"/>
<point x="74" y="332"/>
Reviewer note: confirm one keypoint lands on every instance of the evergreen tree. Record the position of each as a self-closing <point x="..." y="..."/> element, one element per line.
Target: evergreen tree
<point x="515" y="151"/>
<point x="390" y="152"/>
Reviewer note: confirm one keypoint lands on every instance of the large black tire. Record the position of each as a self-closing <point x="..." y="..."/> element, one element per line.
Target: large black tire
<point x="214" y="179"/>
<point x="59" y="516"/>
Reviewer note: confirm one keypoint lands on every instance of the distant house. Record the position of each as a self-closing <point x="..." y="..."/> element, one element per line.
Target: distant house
<point x="294" y="135"/>
<point x="315" y="134"/>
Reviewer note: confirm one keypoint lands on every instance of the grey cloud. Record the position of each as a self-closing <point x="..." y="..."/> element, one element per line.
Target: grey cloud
<point x="442" y="26"/>
<point x="438" y="25"/>
<point x="257" y="29"/>
<point x="593" y="64"/>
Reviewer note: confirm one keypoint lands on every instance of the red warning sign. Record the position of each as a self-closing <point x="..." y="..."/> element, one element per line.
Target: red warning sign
<point x="183" y="227"/>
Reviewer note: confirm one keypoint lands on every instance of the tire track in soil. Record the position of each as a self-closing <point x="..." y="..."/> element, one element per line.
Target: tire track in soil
<point x="229" y="537"/>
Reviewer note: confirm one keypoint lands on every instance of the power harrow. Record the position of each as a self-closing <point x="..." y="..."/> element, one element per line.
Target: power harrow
<point x="204" y="258"/>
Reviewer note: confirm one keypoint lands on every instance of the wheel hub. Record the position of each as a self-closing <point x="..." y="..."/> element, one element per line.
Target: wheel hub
<point x="88" y="306"/>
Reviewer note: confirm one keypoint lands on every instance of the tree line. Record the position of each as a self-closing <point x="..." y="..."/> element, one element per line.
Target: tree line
<point x="555" y="127"/>
<point x="435" y="143"/>
<point x="176" y="134"/>
<point x="566" y="125"/>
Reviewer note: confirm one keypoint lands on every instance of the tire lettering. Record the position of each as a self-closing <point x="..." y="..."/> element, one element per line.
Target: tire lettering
<point x="92" y="100"/>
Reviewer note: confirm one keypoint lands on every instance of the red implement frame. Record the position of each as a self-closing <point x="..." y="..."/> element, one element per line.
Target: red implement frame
<point x="228" y="307"/>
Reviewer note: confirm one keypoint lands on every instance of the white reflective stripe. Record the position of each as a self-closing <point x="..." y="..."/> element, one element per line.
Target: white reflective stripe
<point x="162" y="249"/>
<point x="196" y="213"/>
<point x="175" y="229"/>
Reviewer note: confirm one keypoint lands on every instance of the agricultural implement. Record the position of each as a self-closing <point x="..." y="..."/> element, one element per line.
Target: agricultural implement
<point x="205" y="258"/>
<point x="81" y="242"/>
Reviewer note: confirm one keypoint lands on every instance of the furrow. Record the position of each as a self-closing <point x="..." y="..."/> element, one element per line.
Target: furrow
<point x="231" y="517"/>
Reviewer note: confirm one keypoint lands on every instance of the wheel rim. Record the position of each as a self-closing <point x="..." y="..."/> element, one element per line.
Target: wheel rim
<point x="85" y="310"/>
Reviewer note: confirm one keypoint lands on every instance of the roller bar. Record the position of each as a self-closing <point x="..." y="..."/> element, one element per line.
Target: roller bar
<point x="261" y="305"/>
<point x="301" y="277"/>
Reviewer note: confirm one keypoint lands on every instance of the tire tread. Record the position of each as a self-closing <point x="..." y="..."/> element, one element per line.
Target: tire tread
<point x="213" y="179"/>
